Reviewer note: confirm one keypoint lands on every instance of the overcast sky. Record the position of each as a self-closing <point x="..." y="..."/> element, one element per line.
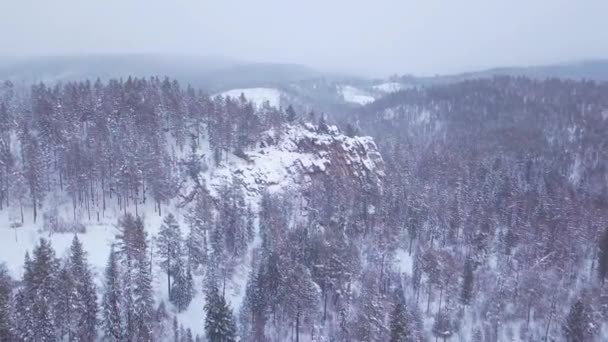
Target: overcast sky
<point x="376" y="37"/>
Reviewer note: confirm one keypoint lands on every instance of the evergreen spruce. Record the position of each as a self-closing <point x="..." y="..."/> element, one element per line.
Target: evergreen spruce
<point x="168" y="246"/>
<point x="219" y="322"/>
<point x="85" y="304"/>
<point x="576" y="327"/>
<point x="399" y="323"/>
<point x="466" y="294"/>
<point x="603" y="256"/>
<point x="36" y="301"/>
<point x="111" y="312"/>
<point x="182" y="291"/>
<point x="443" y="327"/>
<point x="6" y="319"/>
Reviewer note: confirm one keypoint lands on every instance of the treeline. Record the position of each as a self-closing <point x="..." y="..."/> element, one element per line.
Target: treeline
<point x="115" y="141"/>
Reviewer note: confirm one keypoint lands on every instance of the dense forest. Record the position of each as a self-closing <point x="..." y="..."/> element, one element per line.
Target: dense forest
<point x="488" y="224"/>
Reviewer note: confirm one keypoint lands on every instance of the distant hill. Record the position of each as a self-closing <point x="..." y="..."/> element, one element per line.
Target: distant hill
<point x="211" y="73"/>
<point x="587" y="69"/>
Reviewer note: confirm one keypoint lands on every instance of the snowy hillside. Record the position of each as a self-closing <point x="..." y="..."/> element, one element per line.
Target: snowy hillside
<point x="355" y="95"/>
<point x="283" y="159"/>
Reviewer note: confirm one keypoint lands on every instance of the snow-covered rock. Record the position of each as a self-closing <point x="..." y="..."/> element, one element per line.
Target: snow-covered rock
<point x="285" y="159"/>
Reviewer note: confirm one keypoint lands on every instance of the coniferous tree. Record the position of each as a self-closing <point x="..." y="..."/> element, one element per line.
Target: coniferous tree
<point x="137" y="304"/>
<point x="23" y="318"/>
<point x="84" y="291"/>
<point x="34" y="167"/>
<point x="168" y="247"/>
<point x="399" y="323"/>
<point x="182" y="291"/>
<point x="219" y="322"/>
<point x="36" y="300"/>
<point x="66" y="303"/>
<point x="143" y="302"/>
<point x="189" y="337"/>
<point x="111" y="311"/>
<point x="290" y="114"/>
<point x="199" y="220"/>
<point x="6" y="319"/>
<point x="603" y="256"/>
<point x="175" y="329"/>
<point x="253" y="311"/>
<point x="466" y="293"/>
<point x="443" y="326"/>
<point x="576" y="327"/>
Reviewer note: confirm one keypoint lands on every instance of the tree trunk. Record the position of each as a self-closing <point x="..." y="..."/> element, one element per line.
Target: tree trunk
<point x="440" y="298"/>
<point x="528" y="315"/>
<point x="168" y="272"/>
<point x="411" y="243"/>
<point x="428" y="303"/>
<point x="298" y="326"/>
<point x="324" y="304"/>
<point x="35" y="211"/>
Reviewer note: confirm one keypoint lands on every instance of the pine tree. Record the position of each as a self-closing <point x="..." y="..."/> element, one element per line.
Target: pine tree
<point x="290" y="114"/>
<point x="443" y="327"/>
<point x="300" y="295"/>
<point x="85" y="305"/>
<point x="143" y="302"/>
<point x="168" y="248"/>
<point x="137" y="304"/>
<point x="466" y="293"/>
<point x="399" y="324"/>
<point x="219" y="322"/>
<point x="36" y="300"/>
<point x="182" y="291"/>
<point x="603" y="256"/>
<point x="34" y="167"/>
<point x="6" y="319"/>
<point x="351" y="130"/>
<point x="189" y="337"/>
<point x="65" y="303"/>
<point x="577" y="322"/>
<point x="175" y="329"/>
<point x="111" y="312"/>
<point x="253" y="311"/>
<point x="199" y="220"/>
<point x="24" y="320"/>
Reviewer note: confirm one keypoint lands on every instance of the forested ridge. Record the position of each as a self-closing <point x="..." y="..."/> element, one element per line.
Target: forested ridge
<point x="487" y="222"/>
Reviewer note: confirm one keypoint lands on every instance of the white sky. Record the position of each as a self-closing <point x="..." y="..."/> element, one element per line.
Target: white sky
<point x="376" y="37"/>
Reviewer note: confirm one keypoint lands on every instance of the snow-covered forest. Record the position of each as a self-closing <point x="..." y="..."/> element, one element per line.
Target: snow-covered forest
<point x="140" y="209"/>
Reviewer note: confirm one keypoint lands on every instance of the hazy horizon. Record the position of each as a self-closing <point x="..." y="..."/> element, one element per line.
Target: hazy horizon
<point x="355" y="37"/>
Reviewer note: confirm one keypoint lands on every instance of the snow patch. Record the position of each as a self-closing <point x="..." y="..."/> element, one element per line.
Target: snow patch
<point x="356" y="95"/>
<point x="389" y="87"/>
<point x="257" y="95"/>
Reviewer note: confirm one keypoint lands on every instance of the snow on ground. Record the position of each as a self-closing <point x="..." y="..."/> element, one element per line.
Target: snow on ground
<point x="403" y="262"/>
<point x="356" y="95"/>
<point x="257" y="95"/>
